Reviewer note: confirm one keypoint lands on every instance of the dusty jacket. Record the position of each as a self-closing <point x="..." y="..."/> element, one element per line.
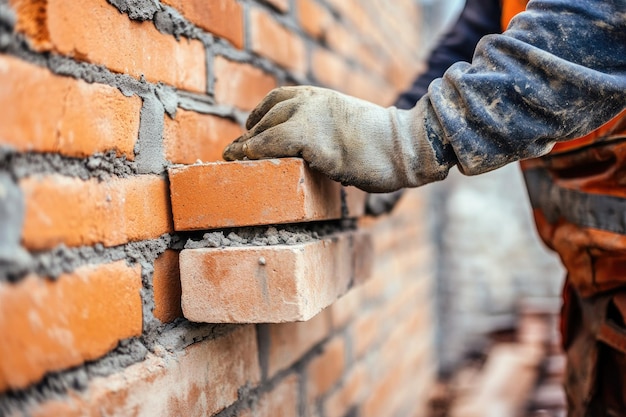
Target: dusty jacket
<point x="557" y="73"/>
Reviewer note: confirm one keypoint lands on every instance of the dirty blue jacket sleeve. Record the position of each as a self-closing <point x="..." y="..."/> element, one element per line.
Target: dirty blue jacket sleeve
<point x="477" y="19"/>
<point x="557" y="73"/>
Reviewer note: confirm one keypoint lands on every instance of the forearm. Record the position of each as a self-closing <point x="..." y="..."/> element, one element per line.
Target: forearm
<point x="556" y="74"/>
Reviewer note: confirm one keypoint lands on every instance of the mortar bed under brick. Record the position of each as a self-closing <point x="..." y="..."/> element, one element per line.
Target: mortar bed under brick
<point x="271" y="235"/>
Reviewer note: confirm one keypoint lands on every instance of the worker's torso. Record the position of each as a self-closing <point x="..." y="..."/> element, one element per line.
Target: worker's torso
<point x="578" y="194"/>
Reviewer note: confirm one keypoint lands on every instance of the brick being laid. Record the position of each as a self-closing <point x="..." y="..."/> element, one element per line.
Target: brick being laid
<point x="249" y="193"/>
<point x="274" y="283"/>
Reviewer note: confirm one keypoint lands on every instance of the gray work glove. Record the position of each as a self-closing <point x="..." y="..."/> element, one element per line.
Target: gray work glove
<point x="350" y="140"/>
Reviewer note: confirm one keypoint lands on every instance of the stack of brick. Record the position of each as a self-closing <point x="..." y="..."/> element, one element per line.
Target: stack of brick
<point x="100" y="98"/>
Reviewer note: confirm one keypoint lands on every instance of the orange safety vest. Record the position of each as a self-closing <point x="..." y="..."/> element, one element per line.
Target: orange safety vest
<point x="578" y="193"/>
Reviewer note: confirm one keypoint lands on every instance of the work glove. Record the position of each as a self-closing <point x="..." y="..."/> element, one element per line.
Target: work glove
<point x="350" y="140"/>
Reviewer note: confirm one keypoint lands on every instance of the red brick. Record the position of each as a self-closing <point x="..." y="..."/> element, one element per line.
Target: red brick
<point x="94" y="31"/>
<point x="223" y="18"/>
<point x="166" y="285"/>
<point x="325" y="370"/>
<point x="47" y="113"/>
<point x="52" y="325"/>
<point x="290" y="341"/>
<point x="271" y="284"/>
<point x="376" y="62"/>
<point x="341" y="40"/>
<point x="192" y="136"/>
<point x="411" y="302"/>
<point x="367" y="330"/>
<point x="346" y="308"/>
<point x="352" y="391"/>
<point x="282" y="401"/>
<point x="314" y="18"/>
<point x="368" y="87"/>
<point x="199" y="381"/>
<point x="403" y="371"/>
<point x="243" y="193"/>
<point x="330" y="69"/>
<point x="355" y="201"/>
<point x="273" y="41"/>
<point x="239" y="84"/>
<point x="74" y="212"/>
<point x="357" y="19"/>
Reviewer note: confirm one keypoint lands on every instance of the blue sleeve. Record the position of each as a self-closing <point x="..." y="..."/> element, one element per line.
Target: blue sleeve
<point x="557" y="73"/>
<point x="478" y="18"/>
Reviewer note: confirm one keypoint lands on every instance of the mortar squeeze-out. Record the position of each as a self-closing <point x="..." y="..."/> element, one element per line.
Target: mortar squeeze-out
<point x="269" y="236"/>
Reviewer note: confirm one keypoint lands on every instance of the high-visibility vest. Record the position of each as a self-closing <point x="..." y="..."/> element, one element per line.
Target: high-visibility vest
<point x="578" y="194"/>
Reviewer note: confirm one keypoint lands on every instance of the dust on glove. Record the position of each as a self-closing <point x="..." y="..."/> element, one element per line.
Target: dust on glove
<point x="350" y="140"/>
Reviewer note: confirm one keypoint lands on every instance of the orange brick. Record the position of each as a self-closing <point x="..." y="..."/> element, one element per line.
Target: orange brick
<point x="192" y="136"/>
<point x="273" y="41"/>
<point x="330" y="69"/>
<point x="48" y="113"/>
<point x="223" y="18"/>
<point x="351" y="392"/>
<point x="403" y="370"/>
<point x="371" y="88"/>
<point x="244" y="193"/>
<point x="271" y="284"/>
<point x="346" y="308"/>
<point x="341" y="40"/>
<point x="199" y="381"/>
<point x="74" y="212"/>
<point x="290" y="341"/>
<point x="241" y="85"/>
<point x="367" y="330"/>
<point x="314" y="19"/>
<point x="52" y="325"/>
<point x="166" y="284"/>
<point x="94" y="31"/>
<point x="325" y="370"/>
<point x="282" y="401"/>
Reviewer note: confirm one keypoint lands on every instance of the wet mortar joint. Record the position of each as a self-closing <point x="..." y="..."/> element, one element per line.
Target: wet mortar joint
<point x="270" y="235"/>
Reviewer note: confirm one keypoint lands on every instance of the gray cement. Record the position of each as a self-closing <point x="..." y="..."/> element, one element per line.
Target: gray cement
<point x="149" y="153"/>
<point x="168" y="98"/>
<point x="13" y="258"/>
<point x="56" y="384"/>
<point x="100" y="166"/>
<point x="158" y="100"/>
<point x="169" y="21"/>
<point x="137" y="9"/>
<point x="180" y="334"/>
<point x="264" y="236"/>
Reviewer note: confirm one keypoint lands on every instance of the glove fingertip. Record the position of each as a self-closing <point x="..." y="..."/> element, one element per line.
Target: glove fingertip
<point x="233" y="152"/>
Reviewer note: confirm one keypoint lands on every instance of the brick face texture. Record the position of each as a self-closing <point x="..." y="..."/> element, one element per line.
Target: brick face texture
<point x="111" y="118"/>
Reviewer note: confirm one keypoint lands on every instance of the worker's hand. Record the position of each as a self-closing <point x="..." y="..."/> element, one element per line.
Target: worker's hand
<point x="350" y="140"/>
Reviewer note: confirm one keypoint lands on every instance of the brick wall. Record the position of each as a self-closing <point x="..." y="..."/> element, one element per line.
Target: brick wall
<point x="99" y="98"/>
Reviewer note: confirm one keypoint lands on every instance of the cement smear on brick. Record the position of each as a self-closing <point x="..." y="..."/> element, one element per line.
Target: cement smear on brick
<point x="137" y="9"/>
<point x="13" y="258"/>
<point x="169" y="21"/>
<point x="149" y="153"/>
